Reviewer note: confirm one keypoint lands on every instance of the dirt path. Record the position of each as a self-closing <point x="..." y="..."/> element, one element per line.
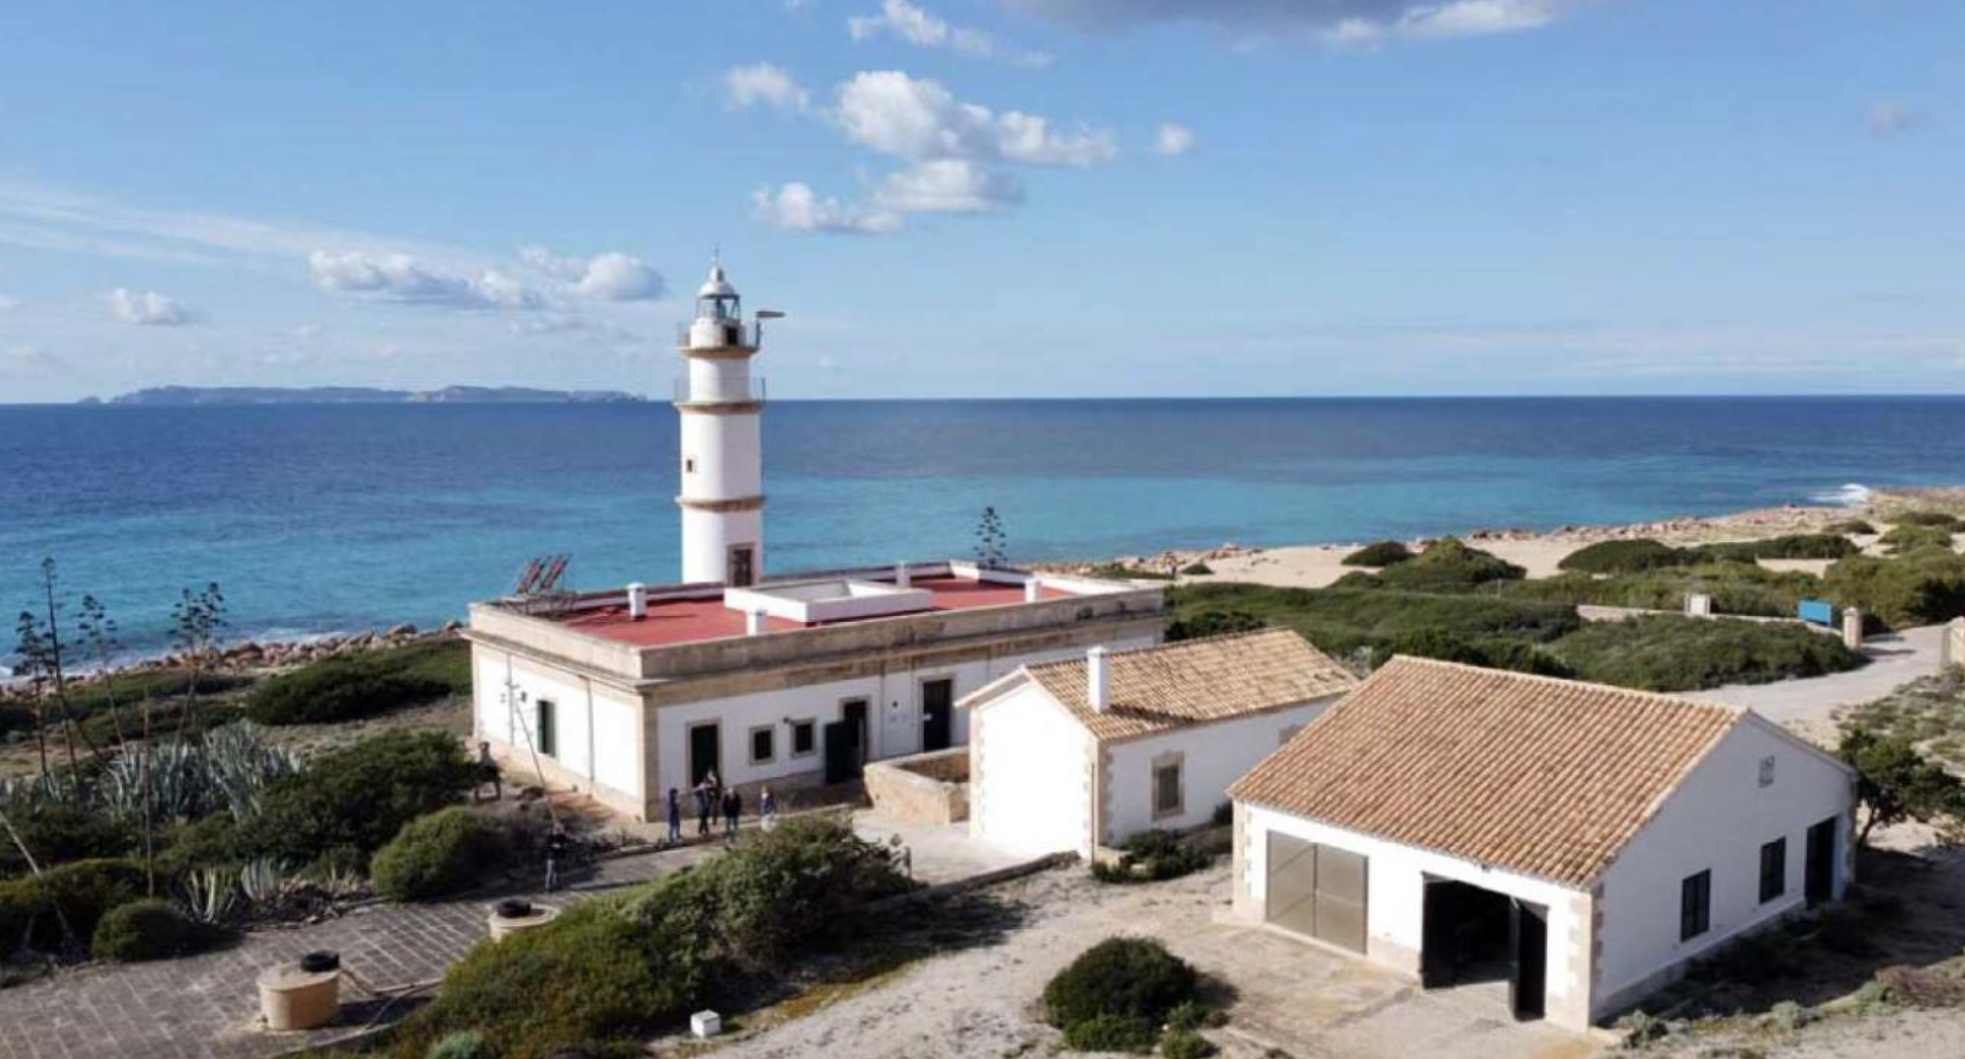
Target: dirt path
<point x="1808" y="706"/>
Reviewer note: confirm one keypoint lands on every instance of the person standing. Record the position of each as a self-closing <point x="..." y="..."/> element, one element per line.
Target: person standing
<point x="733" y="807"/>
<point x="556" y="844"/>
<point x="487" y="773"/>
<point x="703" y="808"/>
<point x="675" y="815"/>
<point x="767" y="810"/>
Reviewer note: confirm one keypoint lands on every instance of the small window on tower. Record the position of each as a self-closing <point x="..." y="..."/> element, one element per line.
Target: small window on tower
<point x="689" y="465"/>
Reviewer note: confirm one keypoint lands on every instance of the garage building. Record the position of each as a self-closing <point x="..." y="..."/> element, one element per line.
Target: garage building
<point x="1578" y="842"/>
<point x="1082" y="753"/>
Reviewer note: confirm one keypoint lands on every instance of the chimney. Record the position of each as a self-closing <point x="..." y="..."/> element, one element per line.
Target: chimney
<point x="900" y="575"/>
<point x="1098" y="680"/>
<point x="637" y="600"/>
<point x="753" y="622"/>
<point x="1032" y="591"/>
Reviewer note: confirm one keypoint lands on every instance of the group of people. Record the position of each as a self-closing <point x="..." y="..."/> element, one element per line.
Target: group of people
<point x="712" y="799"/>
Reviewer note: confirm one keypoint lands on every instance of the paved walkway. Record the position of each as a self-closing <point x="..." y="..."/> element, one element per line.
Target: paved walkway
<point x="1810" y="704"/>
<point x="207" y="1007"/>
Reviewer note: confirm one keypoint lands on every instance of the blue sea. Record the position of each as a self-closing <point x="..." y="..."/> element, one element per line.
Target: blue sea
<point x="319" y="519"/>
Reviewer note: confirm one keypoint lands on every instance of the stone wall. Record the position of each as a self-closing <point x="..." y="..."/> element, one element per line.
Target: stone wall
<point x="930" y="788"/>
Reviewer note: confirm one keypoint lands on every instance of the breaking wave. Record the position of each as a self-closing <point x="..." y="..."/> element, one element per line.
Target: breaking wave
<point x="1854" y="494"/>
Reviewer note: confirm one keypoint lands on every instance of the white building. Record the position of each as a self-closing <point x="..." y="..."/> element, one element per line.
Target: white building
<point x="1579" y="842"/>
<point x="1078" y="754"/>
<point x="791" y="681"/>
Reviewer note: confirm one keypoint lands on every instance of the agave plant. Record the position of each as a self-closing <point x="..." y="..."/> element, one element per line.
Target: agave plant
<point x="210" y="895"/>
<point x="265" y="881"/>
<point x="229" y="768"/>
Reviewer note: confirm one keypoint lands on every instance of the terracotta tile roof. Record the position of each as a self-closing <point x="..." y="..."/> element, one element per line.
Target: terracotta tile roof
<point x="1154" y="689"/>
<point x="1536" y="775"/>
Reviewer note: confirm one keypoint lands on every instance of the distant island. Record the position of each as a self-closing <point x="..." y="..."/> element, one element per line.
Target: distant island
<point x="234" y="395"/>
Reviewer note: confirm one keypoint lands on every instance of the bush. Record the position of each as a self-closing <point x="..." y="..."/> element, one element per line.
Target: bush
<point x="59" y="832"/>
<point x="1490" y="652"/>
<point x="440" y="854"/>
<point x="1131" y="978"/>
<point x="1922" y="588"/>
<point x="1383" y="553"/>
<point x="1342" y="620"/>
<point x="1902" y="539"/>
<point x="1736" y="588"/>
<point x="1622" y="557"/>
<point x="1111" y="1033"/>
<point x="1447" y="565"/>
<point x="1672" y="653"/>
<point x="1211" y="623"/>
<point x="1853" y="527"/>
<point x="1153" y="856"/>
<point x="1186" y="1044"/>
<point x="609" y="969"/>
<point x="1197" y="569"/>
<point x="1791" y="546"/>
<point x="358" y="797"/>
<point x="348" y="687"/>
<point x="32" y="908"/>
<point x="464" y="1045"/>
<point x="1940" y="519"/>
<point x="146" y="929"/>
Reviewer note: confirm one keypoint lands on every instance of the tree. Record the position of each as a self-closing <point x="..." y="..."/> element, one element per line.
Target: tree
<point x="98" y="630"/>
<point x="991" y="542"/>
<point x="1897" y="782"/>
<point x="32" y="660"/>
<point x="198" y="619"/>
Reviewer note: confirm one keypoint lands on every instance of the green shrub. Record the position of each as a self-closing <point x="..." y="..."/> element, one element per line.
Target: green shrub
<point x="149" y="928"/>
<point x="127" y="689"/>
<point x="463" y="1045"/>
<point x="1853" y="527"/>
<point x="1492" y="652"/>
<point x="1921" y="588"/>
<point x="440" y="854"/>
<point x="1622" y="557"/>
<point x="1112" y="1033"/>
<point x="32" y="908"/>
<point x="1790" y="546"/>
<point x="610" y="969"/>
<point x="1211" y="623"/>
<point x="59" y="832"/>
<point x="347" y="687"/>
<point x="1672" y="653"/>
<point x="1940" y="519"/>
<point x="1186" y="1044"/>
<point x="1736" y="588"/>
<point x="1342" y="620"/>
<point x="1383" y="553"/>
<point x="1197" y="569"/>
<point x="1153" y="856"/>
<point x="1447" y="565"/>
<point x="1903" y="539"/>
<point x="1135" y="978"/>
<point x="359" y="797"/>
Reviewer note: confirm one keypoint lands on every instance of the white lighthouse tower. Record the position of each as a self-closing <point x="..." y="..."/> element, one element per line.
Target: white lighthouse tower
<point x="722" y="497"/>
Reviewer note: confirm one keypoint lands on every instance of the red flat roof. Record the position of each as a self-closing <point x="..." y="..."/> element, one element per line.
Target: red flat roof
<point x="674" y="621"/>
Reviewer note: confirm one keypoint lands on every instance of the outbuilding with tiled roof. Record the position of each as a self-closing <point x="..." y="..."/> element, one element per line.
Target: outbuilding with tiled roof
<point x="1577" y="841"/>
<point x="1086" y="752"/>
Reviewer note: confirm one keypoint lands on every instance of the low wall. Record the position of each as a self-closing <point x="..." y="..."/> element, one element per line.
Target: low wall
<point x="1954" y="643"/>
<point x="1591" y="612"/>
<point x="928" y="788"/>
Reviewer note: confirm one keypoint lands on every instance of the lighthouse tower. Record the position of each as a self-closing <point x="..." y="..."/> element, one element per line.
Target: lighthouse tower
<point x="722" y="497"/>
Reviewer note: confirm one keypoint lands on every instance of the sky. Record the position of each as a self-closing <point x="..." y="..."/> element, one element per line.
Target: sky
<point x="989" y="198"/>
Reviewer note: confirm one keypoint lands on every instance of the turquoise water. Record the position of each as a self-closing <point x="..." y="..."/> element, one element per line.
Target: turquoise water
<point x="318" y="519"/>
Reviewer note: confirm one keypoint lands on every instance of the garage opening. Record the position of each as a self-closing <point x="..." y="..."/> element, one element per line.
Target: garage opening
<point x="1317" y="891"/>
<point x="1474" y="935"/>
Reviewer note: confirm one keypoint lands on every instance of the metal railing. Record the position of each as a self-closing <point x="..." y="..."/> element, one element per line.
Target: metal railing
<point x="679" y="390"/>
<point x="735" y="334"/>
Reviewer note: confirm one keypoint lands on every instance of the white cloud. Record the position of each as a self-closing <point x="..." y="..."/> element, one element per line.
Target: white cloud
<point x="147" y="308"/>
<point x="612" y="276"/>
<point x="1338" y="21"/>
<point x="763" y="83"/>
<point x="923" y="29"/>
<point x="796" y="207"/>
<point x="948" y="185"/>
<point x="399" y="278"/>
<point x="1888" y="117"/>
<point x="893" y="113"/>
<point x="1173" y="140"/>
<point x="7" y="303"/>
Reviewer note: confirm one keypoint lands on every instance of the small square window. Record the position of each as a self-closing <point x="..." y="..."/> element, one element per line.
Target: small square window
<point x="1695" y="905"/>
<point x="804" y="737"/>
<point x="1167" y="795"/>
<point x="764" y="745"/>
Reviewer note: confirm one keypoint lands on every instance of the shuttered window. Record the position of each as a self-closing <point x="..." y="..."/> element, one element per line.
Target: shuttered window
<point x="1773" y="869"/>
<point x="1695" y="905"/>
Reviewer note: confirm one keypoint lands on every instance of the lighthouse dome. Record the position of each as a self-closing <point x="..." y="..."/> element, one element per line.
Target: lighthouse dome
<point x="718" y="285"/>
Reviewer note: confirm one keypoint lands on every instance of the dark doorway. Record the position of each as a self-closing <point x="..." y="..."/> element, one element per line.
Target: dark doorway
<point x="937" y="714"/>
<point x="1528" y="959"/>
<point x="846" y="741"/>
<point x="1819" y="879"/>
<point x="705" y="753"/>
<point x="743" y="565"/>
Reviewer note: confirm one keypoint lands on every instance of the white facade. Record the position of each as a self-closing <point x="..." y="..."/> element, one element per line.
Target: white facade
<point x="722" y="452"/>
<point x="1613" y="943"/>
<point x="1039" y="782"/>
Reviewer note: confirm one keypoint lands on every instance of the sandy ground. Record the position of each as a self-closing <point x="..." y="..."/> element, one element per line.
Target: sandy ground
<point x="982" y="1000"/>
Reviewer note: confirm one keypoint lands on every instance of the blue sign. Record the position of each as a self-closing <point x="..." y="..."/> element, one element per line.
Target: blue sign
<point x="1817" y="612"/>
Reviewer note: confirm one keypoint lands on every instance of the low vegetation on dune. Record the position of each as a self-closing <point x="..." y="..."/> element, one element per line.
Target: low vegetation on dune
<point x="1383" y="553"/>
<point x="1342" y="621"/>
<point x="1736" y="588"/>
<point x="350" y="687"/>
<point x="1447" y="565"/>
<point x="1642" y="555"/>
<point x="1673" y="653"/>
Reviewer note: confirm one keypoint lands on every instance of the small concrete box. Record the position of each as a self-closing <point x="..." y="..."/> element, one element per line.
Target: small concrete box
<point x="507" y="919"/>
<point x="705" y="1024"/>
<point x="292" y="998"/>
